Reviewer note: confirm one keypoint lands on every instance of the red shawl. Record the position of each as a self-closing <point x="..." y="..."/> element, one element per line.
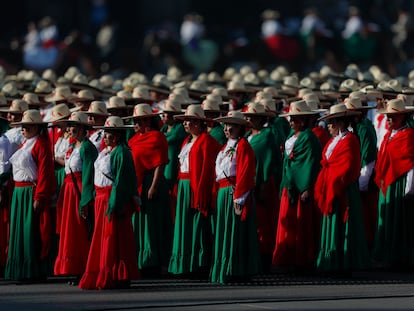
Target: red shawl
<point x="322" y="135"/>
<point x="395" y="157"/>
<point x="338" y="172"/>
<point x="202" y="160"/>
<point x="149" y="150"/>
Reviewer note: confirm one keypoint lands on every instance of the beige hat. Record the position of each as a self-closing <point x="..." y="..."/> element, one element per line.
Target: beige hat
<point x="127" y="97"/>
<point x="116" y="102"/>
<point x="269" y="105"/>
<point x="172" y="105"/>
<point x="31" y="116"/>
<point x="59" y="112"/>
<point x="397" y="106"/>
<point x="107" y="80"/>
<point x="71" y="72"/>
<point x="184" y="92"/>
<point x="312" y="100"/>
<point x="359" y="94"/>
<point x="262" y="95"/>
<point x="199" y="87"/>
<point x="236" y="86"/>
<point x="233" y="117"/>
<point x="394" y="86"/>
<point x="141" y="111"/>
<point x="193" y="112"/>
<point x="406" y="98"/>
<point x="210" y="105"/>
<point x="97" y="107"/>
<point x="43" y="87"/>
<point x="349" y="85"/>
<point x="114" y="123"/>
<point x="16" y="106"/>
<point x="299" y="108"/>
<point x="256" y="109"/>
<point x="80" y="79"/>
<point x="303" y="92"/>
<point x="355" y="103"/>
<point x="229" y="73"/>
<point x="308" y="83"/>
<point x="61" y="93"/>
<point x="76" y="118"/>
<point x="9" y="90"/>
<point x="31" y="98"/>
<point x="275" y="92"/>
<point x="49" y="74"/>
<point x="140" y="92"/>
<point x="338" y="111"/>
<point x="83" y="96"/>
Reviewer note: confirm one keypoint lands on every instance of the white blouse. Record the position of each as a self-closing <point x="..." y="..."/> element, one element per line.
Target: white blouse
<point x="183" y="157"/>
<point x="290" y="143"/>
<point x="96" y="138"/>
<point x="23" y="164"/>
<point x="5" y="153"/>
<point x="226" y="160"/>
<point x="15" y="137"/>
<point x="61" y="146"/>
<point x="103" y="173"/>
<point x="73" y="161"/>
<point x="333" y="143"/>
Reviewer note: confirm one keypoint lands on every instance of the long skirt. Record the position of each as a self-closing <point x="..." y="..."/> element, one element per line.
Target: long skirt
<point x="236" y="244"/>
<point x="153" y="227"/>
<point x="29" y="243"/>
<point x="191" y="251"/>
<point x="73" y="243"/>
<point x="112" y="255"/>
<point x="394" y="239"/>
<point x="298" y="233"/>
<point x="343" y="244"/>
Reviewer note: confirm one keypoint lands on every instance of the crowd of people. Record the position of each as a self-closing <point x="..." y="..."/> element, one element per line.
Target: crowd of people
<point x="221" y="176"/>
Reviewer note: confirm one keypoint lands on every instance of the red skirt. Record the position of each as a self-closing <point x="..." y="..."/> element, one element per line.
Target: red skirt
<point x="73" y="243"/>
<point x="112" y="257"/>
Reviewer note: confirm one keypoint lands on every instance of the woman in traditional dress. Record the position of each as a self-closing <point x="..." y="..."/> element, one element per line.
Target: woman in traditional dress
<point x="30" y="221"/>
<point x="297" y="238"/>
<point x="343" y="245"/>
<point x="112" y="261"/>
<point x="153" y="222"/>
<point x="394" y="239"/>
<point x="236" y="245"/>
<point x="76" y="198"/>
<point x="191" y="252"/>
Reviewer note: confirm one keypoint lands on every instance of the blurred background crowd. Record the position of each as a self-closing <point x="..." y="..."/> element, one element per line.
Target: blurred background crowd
<point x="149" y="36"/>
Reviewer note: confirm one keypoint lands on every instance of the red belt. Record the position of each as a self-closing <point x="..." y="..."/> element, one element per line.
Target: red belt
<point x="183" y="175"/>
<point x="21" y="184"/>
<point x="227" y="182"/>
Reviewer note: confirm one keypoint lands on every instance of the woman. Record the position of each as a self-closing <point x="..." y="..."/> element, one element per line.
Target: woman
<point x="112" y="261"/>
<point x="394" y="238"/>
<point x="76" y="199"/>
<point x="343" y="244"/>
<point x="191" y="252"/>
<point x="14" y="115"/>
<point x="30" y="221"/>
<point x="153" y="222"/>
<point x="236" y="247"/>
<point x="298" y="225"/>
<point x="268" y="172"/>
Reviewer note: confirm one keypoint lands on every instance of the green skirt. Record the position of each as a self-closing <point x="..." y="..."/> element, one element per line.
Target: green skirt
<point x="343" y="243"/>
<point x="153" y="226"/>
<point x="191" y="251"/>
<point x="394" y="238"/>
<point x="23" y="260"/>
<point x="236" y="245"/>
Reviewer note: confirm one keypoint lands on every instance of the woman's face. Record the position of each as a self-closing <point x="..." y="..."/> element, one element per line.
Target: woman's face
<point x="395" y="121"/>
<point x="296" y="123"/>
<point x="76" y="132"/>
<point x="29" y="131"/>
<point x="167" y="118"/>
<point x="14" y="117"/>
<point x="141" y="125"/>
<point x="110" y="139"/>
<point x="96" y="120"/>
<point x="192" y="126"/>
<point x="333" y="127"/>
<point x="255" y="121"/>
<point x="232" y="130"/>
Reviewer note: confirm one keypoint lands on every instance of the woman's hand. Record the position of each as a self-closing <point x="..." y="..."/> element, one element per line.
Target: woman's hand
<point x="152" y="192"/>
<point x="84" y="211"/>
<point x="304" y="196"/>
<point x="36" y="205"/>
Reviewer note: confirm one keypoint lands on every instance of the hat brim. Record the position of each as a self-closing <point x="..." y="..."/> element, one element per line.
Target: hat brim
<point x="232" y="120"/>
<point x="114" y="128"/>
<point x="72" y="122"/>
<point x="306" y="113"/>
<point x="141" y="117"/>
<point x="347" y="113"/>
<point x="184" y="117"/>
<point x="408" y="109"/>
<point x="14" y="124"/>
<point x="257" y="114"/>
<point x="96" y="114"/>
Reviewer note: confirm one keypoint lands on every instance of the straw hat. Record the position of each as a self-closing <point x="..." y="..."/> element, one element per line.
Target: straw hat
<point x="141" y="111"/>
<point x="16" y="106"/>
<point x="97" y="108"/>
<point x="30" y="117"/>
<point x="233" y="117"/>
<point x="236" y="86"/>
<point x="193" y="112"/>
<point x="59" y="112"/>
<point x="269" y="105"/>
<point x="349" y="85"/>
<point x="127" y="97"/>
<point x="406" y="98"/>
<point x="397" y="106"/>
<point x="31" y="98"/>
<point x="361" y="95"/>
<point x="9" y="90"/>
<point x="210" y="105"/>
<point x="308" y="83"/>
<point x="299" y="108"/>
<point x="222" y="91"/>
<point x="76" y="118"/>
<point x="184" y="92"/>
<point x="116" y="102"/>
<point x="83" y="96"/>
<point x="61" y="93"/>
<point x="338" y="111"/>
<point x="256" y="109"/>
<point x="355" y="103"/>
<point x="43" y="87"/>
<point x="172" y="105"/>
<point x="262" y="95"/>
<point x="141" y="93"/>
<point x="49" y="74"/>
<point x="114" y="123"/>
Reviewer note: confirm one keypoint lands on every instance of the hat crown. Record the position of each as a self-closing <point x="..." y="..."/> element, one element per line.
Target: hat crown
<point x="172" y="105"/>
<point x="125" y="94"/>
<point x="199" y="85"/>
<point x="298" y="107"/>
<point x="140" y="92"/>
<point x="394" y="85"/>
<point x="308" y="83"/>
<point x="98" y="107"/>
<point x="220" y="91"/>
<point x="359" y="94"/>
<point x="395" y="106"/>
<point x="210" y="105"/>
<point x="215" y="97"/>
<point x="113" y="121"/>
<point x="62" y="92"/>
<point x="85" y="94"/>
<point x="142" y="110"/>
<point x="268" y="104"/>
<point x="236" y="114"/>
<point x="31" y="116"/>
<point x="60" y="111"/>
<point x="235" y="85"/>
<point x="195" y="111"/>
<point x="181" y="91"/>
<point x="116" y="102"/>
<point x="10" y="89"/>
<point x="338" y="108"/>
<point x="262" y="95"/>
<point x="49" y="74"/>
<point x="291" y="81"/>
<point x="18" y="105"/>
<point x="106" y="80"/>
<point x="349" y="85"/>
<point x="353" y="103"/>
<point x="311" y="97"/>
<point x="31" y="98"/>
<point x="43" y="86"/>
<point x="80" y="78"/>
<point x="79" y="116"/>
<point x="253" y="108"/>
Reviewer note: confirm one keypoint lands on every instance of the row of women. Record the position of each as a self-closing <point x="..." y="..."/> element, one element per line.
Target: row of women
<point x="224" y="216"/>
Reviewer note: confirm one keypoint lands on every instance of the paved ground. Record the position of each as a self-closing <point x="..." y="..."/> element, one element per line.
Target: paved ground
<point x="364" y="291"/>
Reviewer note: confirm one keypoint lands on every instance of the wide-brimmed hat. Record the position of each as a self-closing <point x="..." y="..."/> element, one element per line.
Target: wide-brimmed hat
<point x="43" y="88"/>
<point x="10" y="91"/>
<point x="97" y="108"/>
<point x="193" y="112"/>
<point x="172" y="105"/>
<point x="312" y="100"/>
<point x="59" y="112"/>
<point x="233" y="117"/>
<point x="126" y="95"/>
<point x="299" y="108"/>
<point x="141" y="111"/>
<point x="30" y="117"/>
<point x="256" y="110"/>
<point x="49" y="74"/>
<point x="270" y="105"/>
<point x="117" y="102"/>
<point x="338" y="111"/>
<point x="262" y="95"/>
<point x="141" y="94"/>
<point x="16" y="106"/>
<point x="406" y="98"/>
<point x="114" y="123"/>
<point x="160" y="84"/>
<point x="355" y="103"/>
<point x="84" y="95"/>
<point x="60" y="93"/>
<point x="348" y="86"/>
<point x="237" y="86"/>
<point x="397" y="106"/>
<point x="76" y="118"/>
<point x="31" y="99"/>
<point x="211" y="105"/>
<point x="184" y="92"/>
